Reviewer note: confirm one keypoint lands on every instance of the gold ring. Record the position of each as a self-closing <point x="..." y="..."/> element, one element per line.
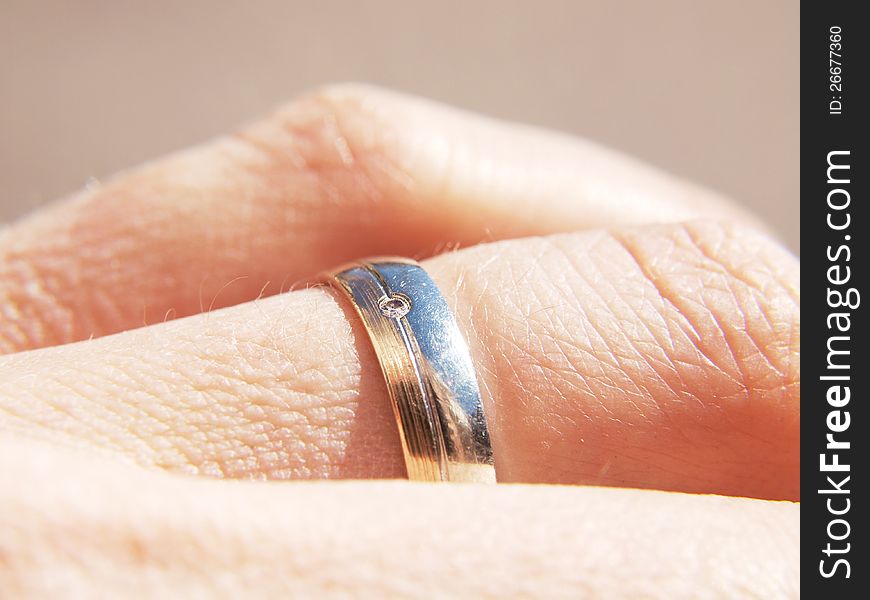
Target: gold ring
<point x="427" y="366"/>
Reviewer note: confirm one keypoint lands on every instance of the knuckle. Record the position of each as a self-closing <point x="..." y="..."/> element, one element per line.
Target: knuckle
<point x="334" y="139"/>
<point x="32" y="311"/>
<point x="687" y="333"/>
<point x="736" y="291"/>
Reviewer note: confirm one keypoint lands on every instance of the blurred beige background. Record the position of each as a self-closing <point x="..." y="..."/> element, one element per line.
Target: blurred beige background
<point x="708" y="90"/>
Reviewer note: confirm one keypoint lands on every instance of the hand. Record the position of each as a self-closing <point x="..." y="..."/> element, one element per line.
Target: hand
<point x="646" y="337"/>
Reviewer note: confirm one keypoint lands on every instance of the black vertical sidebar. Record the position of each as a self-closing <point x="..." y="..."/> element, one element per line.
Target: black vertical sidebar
<point x="835" y="437"/>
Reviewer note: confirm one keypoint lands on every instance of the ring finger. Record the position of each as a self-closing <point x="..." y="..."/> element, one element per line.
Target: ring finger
<point x="659" y="356"/>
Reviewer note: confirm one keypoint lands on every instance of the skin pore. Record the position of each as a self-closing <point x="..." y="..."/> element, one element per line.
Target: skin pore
<point x="633" y="331"/>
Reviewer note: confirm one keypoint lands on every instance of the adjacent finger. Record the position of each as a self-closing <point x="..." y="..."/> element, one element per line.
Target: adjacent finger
<point x="79" y="528"/>
<point x="342" y="173"/>
<point x="662" y="357"/>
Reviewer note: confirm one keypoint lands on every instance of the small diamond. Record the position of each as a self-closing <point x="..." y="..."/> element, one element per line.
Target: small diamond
<point x="395" y="306"/>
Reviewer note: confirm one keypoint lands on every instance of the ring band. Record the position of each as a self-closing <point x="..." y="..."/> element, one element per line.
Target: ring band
<point x="427" y="366"/>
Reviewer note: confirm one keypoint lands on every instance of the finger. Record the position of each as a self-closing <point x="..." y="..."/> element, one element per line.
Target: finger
<point x="343" y="173"/>
<point x="84" y="529"/>
<point x="656" y="357"/>
<point x="660" y="358"/>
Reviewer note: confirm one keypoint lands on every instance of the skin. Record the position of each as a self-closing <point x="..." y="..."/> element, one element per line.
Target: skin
<point x="631" y="331"/>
